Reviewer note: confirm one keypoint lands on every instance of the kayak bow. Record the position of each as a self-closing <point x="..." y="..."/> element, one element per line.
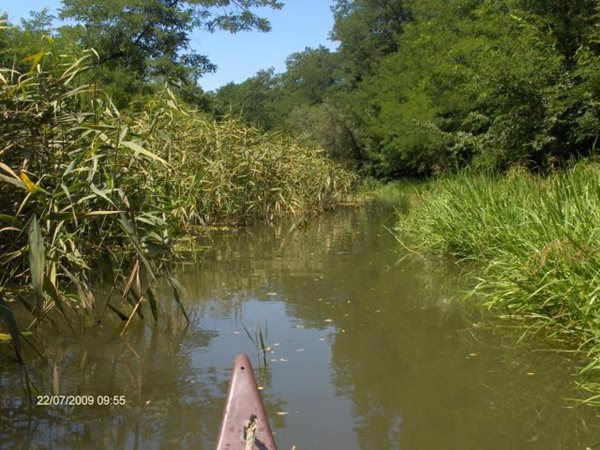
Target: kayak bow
<point x="244" y="424"/>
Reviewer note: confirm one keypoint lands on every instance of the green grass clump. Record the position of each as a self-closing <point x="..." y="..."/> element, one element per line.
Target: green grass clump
<point x="537" y="238"/>
<point x="398" y="194"/>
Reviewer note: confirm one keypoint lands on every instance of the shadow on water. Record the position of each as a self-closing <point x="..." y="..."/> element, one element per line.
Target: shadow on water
<point x="370" y="349"/>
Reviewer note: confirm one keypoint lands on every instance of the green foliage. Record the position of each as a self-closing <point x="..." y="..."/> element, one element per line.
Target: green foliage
<point x="538" y="239"/>
<point x="302" y="102"/>
<point x="63" y="198"/>
<point x="310" y="75"/>
<point x="149" y="40"/>
<point x="84" y="185"/>
<point x="327" y="126"/>
<point x="475" y="82"/>
<point x="255" y="100"/>
<point x="425" y="87"/>
<point x="367" y="31"/>
<point x="568" y="21"/>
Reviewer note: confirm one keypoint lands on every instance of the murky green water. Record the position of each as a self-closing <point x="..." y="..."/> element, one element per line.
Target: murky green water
<point x="370" y="351"/>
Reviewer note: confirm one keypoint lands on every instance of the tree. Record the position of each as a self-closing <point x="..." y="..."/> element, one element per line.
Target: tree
<point x="367" y="31"/>
<point x="18" y="44"/>
<point x="569" y="21"/>
<point x="310" y="75"/>
<point x="254" y="100"/>
<point x="142" y="41"/>
<point x="470" y="79"/>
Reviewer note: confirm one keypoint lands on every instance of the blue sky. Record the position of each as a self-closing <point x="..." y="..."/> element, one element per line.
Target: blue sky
<point x="300" y="24"/>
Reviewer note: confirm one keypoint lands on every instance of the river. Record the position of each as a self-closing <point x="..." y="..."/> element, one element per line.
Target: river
<point x="371" y="347"/>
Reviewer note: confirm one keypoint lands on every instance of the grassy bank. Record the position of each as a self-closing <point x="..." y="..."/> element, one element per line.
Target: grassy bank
<point x="538" y="240"/>
<point x="88" y="189"/>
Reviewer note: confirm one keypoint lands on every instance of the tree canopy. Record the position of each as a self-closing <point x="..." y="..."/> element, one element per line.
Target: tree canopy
<point x="141" y="43"/>
<point x="427" y="86"/>
<point x="414" y="87"/>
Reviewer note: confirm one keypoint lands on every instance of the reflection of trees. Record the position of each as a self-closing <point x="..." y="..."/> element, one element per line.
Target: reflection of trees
<point x="401" y="351"/>
<point x="403" y="355"/>
<point x="285" y="248"/>
<point x="171" y="402"/>
<point x="449" y="391"/>
<point x="418" y="375"/>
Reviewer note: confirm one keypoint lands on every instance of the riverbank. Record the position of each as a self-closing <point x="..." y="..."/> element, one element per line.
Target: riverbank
<point x="91" y="192"/>
<point x="537" y="239"/>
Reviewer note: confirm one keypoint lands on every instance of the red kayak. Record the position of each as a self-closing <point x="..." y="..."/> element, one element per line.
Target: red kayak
<point x="244" y="425"/>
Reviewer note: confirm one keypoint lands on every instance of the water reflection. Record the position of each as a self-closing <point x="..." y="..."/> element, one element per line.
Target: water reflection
<point x="370" y="351"/>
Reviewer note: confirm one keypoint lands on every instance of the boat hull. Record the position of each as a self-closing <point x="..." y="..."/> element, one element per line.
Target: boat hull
<point x="244" y="424"/>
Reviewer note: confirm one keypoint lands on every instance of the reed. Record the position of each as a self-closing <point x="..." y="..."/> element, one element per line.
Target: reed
<point x="538" y="240"/>
<point x="88" y="192"/>
<point x="259" y="339"/>
<point x="397" y="194"/>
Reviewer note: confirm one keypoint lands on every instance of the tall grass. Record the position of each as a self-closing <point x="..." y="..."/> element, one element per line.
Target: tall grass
<point x="88" y="191"/>
<point x="229" y="173"/>
<point x="537" y="238"/>
<point x="397" y="194"/>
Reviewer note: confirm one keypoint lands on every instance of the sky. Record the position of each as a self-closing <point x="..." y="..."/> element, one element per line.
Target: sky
<point x="300" y="24"/>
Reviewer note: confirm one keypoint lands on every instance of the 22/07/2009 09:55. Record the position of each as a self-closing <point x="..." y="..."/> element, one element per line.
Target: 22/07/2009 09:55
<point x="80" y="400"/>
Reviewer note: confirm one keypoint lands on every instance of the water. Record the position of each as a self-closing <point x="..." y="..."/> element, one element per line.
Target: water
<point x="371" y="349"/>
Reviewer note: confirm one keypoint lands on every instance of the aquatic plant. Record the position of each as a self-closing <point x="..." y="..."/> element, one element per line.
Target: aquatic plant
<point x="259" y="340"/>
<point x="538" y="240"/>
<point x="88" y="192"/>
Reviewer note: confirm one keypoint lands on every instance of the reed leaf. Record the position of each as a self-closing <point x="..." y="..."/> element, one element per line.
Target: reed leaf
<point x="8" y="317"/>
<point x="37" y="259"/>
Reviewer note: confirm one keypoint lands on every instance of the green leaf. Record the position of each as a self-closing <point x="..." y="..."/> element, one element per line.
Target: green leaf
<point x="176" y="287"/>
<point x="141" y="150"/>
<point x="7" y="316"/>
<point x="127" y="227"/>
<point x="153" y="303"/>
<point x="37" y="256"/>
<point x="10" y="219"/>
